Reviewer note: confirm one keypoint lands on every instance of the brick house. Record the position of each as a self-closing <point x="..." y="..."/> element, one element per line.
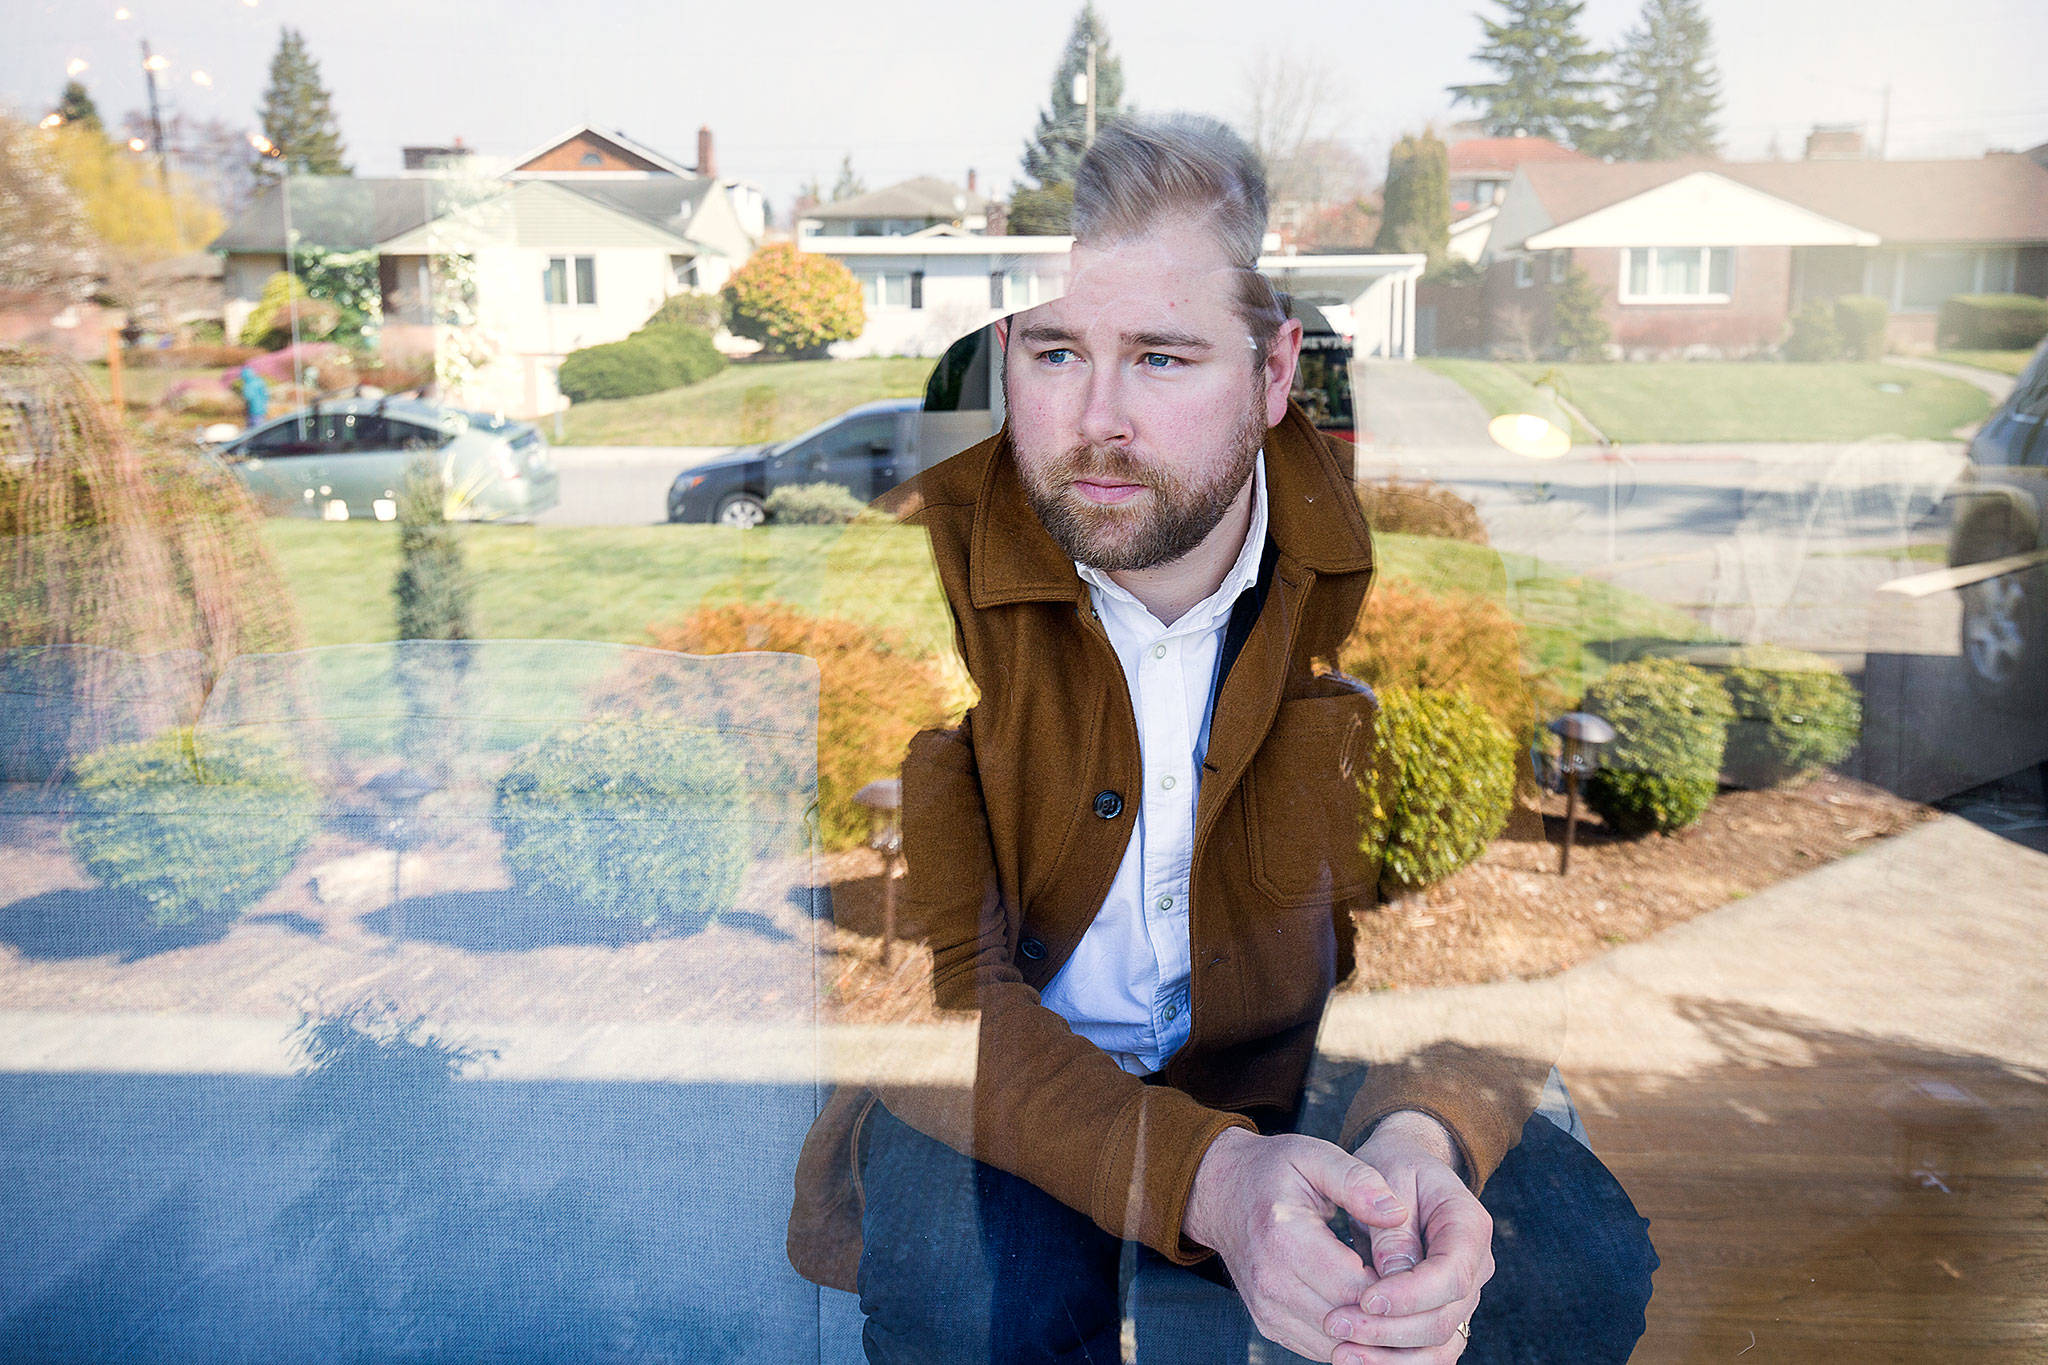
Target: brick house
<point x="1711" y="257"/>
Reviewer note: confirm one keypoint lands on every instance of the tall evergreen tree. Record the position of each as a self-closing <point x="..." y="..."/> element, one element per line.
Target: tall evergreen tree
<point x="1667" y="89"/>
<point x="1054" y="152"/>
<point x="849" y="182"/>
<point x="1548" y="80"/>
<point x="75" y="105"/>
<point x="298" y="116"/>
<point x="1417" y="211"/>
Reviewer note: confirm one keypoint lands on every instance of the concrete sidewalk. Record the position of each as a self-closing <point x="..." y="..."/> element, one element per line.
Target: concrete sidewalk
<point x="1932" y="937"/>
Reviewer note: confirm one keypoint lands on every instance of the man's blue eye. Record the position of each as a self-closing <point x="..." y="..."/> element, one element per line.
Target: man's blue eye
<point x="1058" y="355"/>
<point x="1164" y="362"/>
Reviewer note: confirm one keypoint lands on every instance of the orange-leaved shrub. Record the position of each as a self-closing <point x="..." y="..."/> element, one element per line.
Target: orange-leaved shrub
<point x="875" y="693"/>
<point x="1416" y="507"/>
<point x="1406" y="637"/>
<point x="795" y="303"/>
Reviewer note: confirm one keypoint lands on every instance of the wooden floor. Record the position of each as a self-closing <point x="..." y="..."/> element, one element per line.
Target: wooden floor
<point x="1837" y="1198"/>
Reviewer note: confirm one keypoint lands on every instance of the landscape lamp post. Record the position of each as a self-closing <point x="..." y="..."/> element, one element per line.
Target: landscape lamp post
<point x="883" y="801"/>
<point x="399" y="792"/>
<point x="1584" y="737"/>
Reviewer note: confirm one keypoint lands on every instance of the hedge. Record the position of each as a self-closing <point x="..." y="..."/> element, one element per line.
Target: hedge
<point x="652" y="360"/>
<point x="1408" y="638"/>
<point x="1446" y="780"/>
<point x="705" y="312"/>
<point x="1814" y="336"/>
<point x="629" y="821"/>
<point x="814" y="504"/>
<point x="1414" y="507"/>
<point x="1992" y="322"/>
<point x="1860" y="321"/>
<point x="1793" y="713"/>
<point x="197" y="835"/>
<point x="1670" y="722"/>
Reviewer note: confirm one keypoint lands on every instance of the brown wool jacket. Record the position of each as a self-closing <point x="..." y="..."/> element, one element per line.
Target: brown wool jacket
<point x="1014" y="825"/>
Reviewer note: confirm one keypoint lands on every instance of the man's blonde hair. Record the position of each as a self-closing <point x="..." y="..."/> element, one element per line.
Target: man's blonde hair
<point x="1141" y="171"/>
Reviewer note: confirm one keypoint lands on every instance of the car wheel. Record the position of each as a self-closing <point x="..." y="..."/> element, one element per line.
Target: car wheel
<point x="743" y="510"/>
<point x="2005" y="620"/>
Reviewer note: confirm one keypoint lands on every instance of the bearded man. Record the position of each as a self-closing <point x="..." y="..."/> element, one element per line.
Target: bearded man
<point x="1138" y="858"/>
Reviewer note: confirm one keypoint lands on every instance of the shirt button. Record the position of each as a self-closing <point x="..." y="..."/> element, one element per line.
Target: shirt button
<point x="1171" y="1013"/>
<point x="1032" y="948"/>
<point x="1167" y="782"/>
<point x="1159" y="651"/>
<point x="1108" y="805"/>
<point x="1166" y="902"/>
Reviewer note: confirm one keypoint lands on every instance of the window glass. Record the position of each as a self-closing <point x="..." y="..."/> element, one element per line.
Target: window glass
<point x="895" y="291"/>
<point x="555" y="281"/>
<point x="1678" y="273"/>
<point x="285" y="438"/>
<point x="1934" y="276"/>
<point x="1720" y="268"/>
<point x="586" y="279"/>
<point x="856" y="438"/>
<point x="1638" y="270"/>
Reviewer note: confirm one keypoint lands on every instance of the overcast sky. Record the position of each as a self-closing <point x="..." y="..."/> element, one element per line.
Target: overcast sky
<point x="916" y="87"/>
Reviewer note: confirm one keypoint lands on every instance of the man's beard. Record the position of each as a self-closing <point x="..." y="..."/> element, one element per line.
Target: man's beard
<point x="1176" y="516"/>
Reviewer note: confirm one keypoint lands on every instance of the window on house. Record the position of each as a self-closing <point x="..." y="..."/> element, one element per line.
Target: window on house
<point x="1560" y="266"/>
<point x="1932" y="277"/>
<point x="917" y="289"/>
<point x="570" y="279"/>
<point x="886" y="289"/>
<point x="592" y="159"/>
<point x="1676" y="274"/>
<point x="1525" y="271"/>
<point x="995" y="289"/>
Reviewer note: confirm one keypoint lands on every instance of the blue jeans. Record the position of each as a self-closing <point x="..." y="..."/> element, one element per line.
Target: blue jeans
<point x="962" y="1262"/>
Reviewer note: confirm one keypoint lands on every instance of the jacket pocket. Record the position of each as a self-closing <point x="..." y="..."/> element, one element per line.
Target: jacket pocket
<point x="1304" y="798"/>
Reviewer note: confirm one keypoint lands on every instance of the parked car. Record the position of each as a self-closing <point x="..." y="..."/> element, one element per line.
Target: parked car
<point x="1999" y="509"/>
<point x="867" y="450"/>
<point x="345" y="459"/>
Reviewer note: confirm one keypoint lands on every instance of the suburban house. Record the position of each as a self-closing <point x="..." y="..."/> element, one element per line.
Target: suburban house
<point x="900" y="210"/>
<point x="1479" y="172"/>
<point x="1713" y="257"/>
<point x="927" y="290"/>
<point x="501" y="272"/>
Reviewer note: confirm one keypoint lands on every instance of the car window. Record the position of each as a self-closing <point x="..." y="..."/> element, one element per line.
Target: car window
<point x="342" y="432"/>
<point x="410" y="435"/>
<point x="293" y="437"/>
<point x="855" y="439"/>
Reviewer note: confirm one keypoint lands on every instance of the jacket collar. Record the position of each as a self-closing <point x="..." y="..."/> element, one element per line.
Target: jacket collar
<point x="1313" y="518"/>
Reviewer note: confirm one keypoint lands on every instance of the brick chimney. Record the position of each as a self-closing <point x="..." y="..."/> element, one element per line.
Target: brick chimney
<point x="707" y="163"/>
<point x="1835" y="142"/>
<point x="970" y="180"/>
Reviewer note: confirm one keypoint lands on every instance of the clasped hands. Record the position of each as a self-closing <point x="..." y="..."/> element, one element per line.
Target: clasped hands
<point x="1263" y="1204"/>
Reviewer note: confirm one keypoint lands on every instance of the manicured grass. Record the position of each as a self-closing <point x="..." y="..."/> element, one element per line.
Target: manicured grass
<point x="1569" y="618"/>
<point x="2005" y="362"/>
<point x="143" y="387"/>
<point x="759" y="401"/>
<point x="1499" y="389"/>
<point x="1682" y="401"/>
<point x="613" y="583"/>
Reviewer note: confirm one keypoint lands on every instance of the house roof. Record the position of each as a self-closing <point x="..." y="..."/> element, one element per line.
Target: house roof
<point x="626" y="144"/>
<point x="665" y="201"/>
<point x="927" y="196"/>
<point x="346" y="212"/>
<point x="1506" y="153"/>
<point x="2000" y="198"/>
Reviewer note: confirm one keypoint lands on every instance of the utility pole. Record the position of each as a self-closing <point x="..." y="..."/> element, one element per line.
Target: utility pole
<point x="156" y="118"/>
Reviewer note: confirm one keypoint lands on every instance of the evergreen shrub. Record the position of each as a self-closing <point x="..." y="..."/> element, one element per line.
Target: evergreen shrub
<point x="1814" y="335"/>
<point x="1423" y="641"/>
<point x="198" y="832"/>
<point x="1416" y="507"/>
<point x="630" y="822"/>
<point x="1793" y="713"/>
<point x="433" y="584"/>
<point x="1992" y="322"/>
<point x="1860" y="321"/>
<point x="1446" y="780"/>
<point x="814" y="504"/>
<point x="1670" y="722"/>
<point x="705" y="312"/>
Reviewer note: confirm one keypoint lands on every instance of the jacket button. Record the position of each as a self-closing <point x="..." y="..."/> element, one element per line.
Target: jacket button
<point x="1032" y="948"/>
<point x="1108" y="805"/>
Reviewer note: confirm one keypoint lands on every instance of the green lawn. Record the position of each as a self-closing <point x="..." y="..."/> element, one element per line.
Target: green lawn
<point x="1680" y="401"/>
<point x="762" y="401"/>
<point x="2005" y="362"/>
<point x="612" y="583"/>
<point x="142" y="387"/>
<point x="1499" y="389"/>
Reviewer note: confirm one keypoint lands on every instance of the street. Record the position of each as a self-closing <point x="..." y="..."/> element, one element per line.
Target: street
<point x="619" y="485"/>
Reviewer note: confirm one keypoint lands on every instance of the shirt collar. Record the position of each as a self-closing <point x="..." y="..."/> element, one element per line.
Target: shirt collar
<point x="1244" y="571"/>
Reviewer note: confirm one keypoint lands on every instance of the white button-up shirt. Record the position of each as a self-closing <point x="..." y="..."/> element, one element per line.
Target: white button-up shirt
<point x="1125" y="989"/>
